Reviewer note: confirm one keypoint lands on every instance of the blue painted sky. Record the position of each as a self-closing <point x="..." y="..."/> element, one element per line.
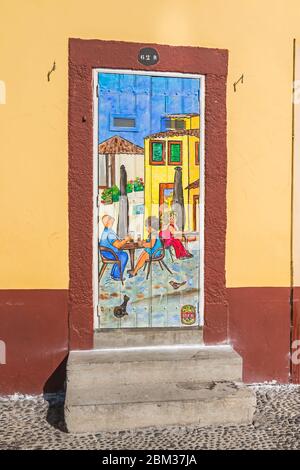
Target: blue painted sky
<point x="146" y="99"/>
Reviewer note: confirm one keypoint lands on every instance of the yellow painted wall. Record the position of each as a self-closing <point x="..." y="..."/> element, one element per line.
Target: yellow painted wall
<point x="193" y="192"/>
<point x="156" y="174"/>
<point x="33" y="124"/>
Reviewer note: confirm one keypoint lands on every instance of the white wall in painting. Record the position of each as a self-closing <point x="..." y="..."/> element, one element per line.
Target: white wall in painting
<point x="134" y="165"/>
<point x="136" y="213"/>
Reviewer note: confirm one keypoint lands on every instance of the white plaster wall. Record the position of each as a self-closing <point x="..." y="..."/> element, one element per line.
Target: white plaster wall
<point x="134" y="165"/>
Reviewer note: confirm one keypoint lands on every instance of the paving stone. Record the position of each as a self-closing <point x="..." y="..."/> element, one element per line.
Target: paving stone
<point x="37" y="423"/>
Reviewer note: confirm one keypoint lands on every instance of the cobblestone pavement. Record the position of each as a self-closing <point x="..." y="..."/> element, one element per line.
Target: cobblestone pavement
<point x="34" y="423"/>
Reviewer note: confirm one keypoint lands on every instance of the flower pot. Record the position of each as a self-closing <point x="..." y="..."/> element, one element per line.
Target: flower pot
<point x="106" y="202"/>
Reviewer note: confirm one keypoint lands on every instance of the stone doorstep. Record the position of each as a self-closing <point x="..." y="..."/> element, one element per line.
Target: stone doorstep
<point x="133" y="387"/>
<point x="152" y="353"/>
<point x="152" y="365"/>
<point x="134" y="337"/>
<point x="183" y="403"/>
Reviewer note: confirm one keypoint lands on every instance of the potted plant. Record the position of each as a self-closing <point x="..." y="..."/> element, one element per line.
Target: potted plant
<point x="115" y="192"/>
<point x="106" y="196"/>
<point x="129" y="187"/>
<point x="138" y="184"/>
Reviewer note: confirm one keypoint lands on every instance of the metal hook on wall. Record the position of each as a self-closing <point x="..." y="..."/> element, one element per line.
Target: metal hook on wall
<point x="50" y="71"/>
<point x="241" y="79"/>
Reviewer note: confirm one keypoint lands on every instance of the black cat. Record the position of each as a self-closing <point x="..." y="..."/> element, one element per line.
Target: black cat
<point x="120" y="310"/>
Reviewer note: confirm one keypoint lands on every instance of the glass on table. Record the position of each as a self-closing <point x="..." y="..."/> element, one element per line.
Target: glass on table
<point x="131" y="235"/>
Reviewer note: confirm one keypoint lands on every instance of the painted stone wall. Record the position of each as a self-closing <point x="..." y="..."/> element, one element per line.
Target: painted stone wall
<point x="34" y="163"/>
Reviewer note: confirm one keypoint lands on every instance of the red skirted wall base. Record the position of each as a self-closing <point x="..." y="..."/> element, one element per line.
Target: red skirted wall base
<point x="34" y="330"/>
<point x="34" y="327"/>
<point x="259" y="330"/>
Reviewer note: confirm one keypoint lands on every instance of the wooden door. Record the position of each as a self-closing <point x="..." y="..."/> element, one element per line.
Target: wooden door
<point x="148" y="133"/>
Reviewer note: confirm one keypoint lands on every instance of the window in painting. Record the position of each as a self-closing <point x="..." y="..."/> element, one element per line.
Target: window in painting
<point x="175" y="153"/>
<point x="157" y="153"/>
<point x="123" y="123"/>
<point x="174" y="124"/>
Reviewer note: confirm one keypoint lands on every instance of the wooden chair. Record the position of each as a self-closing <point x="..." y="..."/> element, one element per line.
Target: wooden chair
<point x="106" y="261"/>
<point x="159" y="259"/>
<point x="169" y="250"/>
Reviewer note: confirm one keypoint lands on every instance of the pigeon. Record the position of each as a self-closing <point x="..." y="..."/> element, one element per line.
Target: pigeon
<point x="120" y="310"/>
<point x="176" y="285"/>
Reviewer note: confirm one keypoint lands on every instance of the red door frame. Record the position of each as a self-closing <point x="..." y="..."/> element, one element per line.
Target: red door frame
<point x="195" y="203"/>
<point x="162" y="187"/>
<point x="84" y="55"/>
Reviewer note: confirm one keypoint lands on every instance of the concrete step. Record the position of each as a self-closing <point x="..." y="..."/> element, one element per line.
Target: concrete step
<point x="106" y="408"/>
<point x="137" y="337"/>
<point x="153" y="365"/>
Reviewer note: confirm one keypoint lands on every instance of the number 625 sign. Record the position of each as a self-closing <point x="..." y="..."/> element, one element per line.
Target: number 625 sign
<point x="148" y="56"/>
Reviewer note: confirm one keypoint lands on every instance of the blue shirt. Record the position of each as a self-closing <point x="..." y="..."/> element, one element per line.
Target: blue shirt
<point x="107" y="239"/>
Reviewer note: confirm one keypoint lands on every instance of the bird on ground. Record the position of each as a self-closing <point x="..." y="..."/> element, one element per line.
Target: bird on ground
<point x="176" y="285"/>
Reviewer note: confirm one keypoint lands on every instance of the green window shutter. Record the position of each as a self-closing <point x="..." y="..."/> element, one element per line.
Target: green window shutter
<point x="175" y="151"/>
<point x="157" y="152"/>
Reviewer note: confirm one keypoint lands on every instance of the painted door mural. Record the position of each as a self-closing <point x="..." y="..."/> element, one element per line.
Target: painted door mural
<point x="149" y="187"/>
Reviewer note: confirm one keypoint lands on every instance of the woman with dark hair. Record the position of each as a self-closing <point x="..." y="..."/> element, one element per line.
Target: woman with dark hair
<point x="151" y="245"/>
<point x="167" y="235"/>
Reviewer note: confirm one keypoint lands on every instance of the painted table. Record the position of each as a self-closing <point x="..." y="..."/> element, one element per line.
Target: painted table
<point x="131" y="247"/>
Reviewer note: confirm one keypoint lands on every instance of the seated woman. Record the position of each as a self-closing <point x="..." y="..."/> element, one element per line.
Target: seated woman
<point x="167" y="235"/>
<point x="151" y="245"/>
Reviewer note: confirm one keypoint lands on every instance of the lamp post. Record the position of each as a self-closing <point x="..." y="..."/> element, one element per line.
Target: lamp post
<point x="123" y="219"/>
<point x="178" y="201"/>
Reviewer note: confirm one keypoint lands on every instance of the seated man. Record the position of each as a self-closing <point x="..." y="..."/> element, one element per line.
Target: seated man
<point x="109" y="239"/>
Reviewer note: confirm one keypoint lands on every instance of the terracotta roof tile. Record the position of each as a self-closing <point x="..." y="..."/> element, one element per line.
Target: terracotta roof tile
<point x="174" y="133"/>
<point x="182" y="115"/>
<point x="193" y="185"/>
<point x="118" y="145"/>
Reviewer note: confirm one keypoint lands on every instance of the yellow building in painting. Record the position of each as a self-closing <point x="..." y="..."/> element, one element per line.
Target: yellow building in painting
<point x="164" y="151"/>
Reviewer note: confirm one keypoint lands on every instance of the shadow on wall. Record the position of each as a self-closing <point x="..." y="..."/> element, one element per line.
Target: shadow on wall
<point x="54" y="394"/>
<point x="57" y="380"/>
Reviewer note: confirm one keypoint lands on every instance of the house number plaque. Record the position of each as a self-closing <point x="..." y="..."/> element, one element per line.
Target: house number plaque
<point x="148" y="56"/>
